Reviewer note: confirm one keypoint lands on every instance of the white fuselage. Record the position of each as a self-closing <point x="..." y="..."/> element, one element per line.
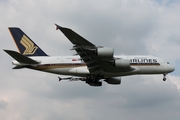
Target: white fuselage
<point x="73" y="65"/>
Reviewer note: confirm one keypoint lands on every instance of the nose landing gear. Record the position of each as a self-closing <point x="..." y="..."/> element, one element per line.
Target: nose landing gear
<point x="164" y="77"/>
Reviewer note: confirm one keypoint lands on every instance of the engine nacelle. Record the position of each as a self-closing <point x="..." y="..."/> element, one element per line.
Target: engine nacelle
<point x="96" y="84"/>
<point x="123" y="63"/>
<point x="105" y="52"/>
<point x="113" y="81"/>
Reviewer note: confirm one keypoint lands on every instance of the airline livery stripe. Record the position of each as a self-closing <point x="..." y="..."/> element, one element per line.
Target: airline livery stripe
<point x="50" y="66"/>
<point x="69" y="65"/>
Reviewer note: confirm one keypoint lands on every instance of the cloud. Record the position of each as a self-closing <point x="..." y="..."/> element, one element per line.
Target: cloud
<point x="175" y="80"/>
<point x="3" y="104"/>
<point x="130" y="27"/>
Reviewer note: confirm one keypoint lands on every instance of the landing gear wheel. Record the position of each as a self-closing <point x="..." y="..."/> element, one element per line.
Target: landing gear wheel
<point x="164" y="77"/>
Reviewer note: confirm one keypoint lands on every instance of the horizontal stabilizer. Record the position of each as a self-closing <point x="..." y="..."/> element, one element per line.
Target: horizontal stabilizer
<point x="64" y="78"/>
<point x="18" y="67"/>
<point x="21" y="58"/>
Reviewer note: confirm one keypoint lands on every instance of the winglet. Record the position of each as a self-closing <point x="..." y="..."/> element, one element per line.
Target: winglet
<point x="58" y="27"/>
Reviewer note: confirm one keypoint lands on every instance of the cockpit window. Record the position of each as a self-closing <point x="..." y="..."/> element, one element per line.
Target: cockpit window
<point x="167" y="62"/>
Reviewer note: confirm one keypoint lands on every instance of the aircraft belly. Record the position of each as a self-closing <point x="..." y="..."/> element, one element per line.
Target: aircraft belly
<point x="84" y="72"/>
<point x="151" y="70"/>
<point x="139" y="70"/>
<point x="125" y="73"/>
<point x="76" y="71"/>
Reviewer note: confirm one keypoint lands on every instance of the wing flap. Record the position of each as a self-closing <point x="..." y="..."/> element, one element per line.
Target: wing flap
<point x="21" y="58"/>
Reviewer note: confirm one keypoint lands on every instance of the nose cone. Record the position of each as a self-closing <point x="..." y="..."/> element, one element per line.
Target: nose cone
<point x="171" y="68"/>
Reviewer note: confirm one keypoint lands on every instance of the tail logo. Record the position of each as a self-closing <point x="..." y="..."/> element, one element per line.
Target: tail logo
<point x="29" y="45"/>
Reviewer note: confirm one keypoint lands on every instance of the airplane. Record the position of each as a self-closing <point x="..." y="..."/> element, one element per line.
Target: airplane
<point x="93" y="64"/>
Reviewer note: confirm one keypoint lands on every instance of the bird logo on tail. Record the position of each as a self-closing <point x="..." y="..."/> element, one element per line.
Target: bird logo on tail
<point x="29" y="45"/>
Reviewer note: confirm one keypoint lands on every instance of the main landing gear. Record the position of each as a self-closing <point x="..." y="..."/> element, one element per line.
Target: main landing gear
<point x="164" y="77"/>
<point x="93" y="80"/>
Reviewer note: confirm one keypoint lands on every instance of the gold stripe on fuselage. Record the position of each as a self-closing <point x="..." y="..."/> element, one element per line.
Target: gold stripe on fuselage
<point x="51" y="66"/>
<point x="71" y="65"/>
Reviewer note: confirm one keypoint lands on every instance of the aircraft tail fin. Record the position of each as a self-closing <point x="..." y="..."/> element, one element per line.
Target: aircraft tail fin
<point x="24" y="44"/>
<point x="21" y="58"/>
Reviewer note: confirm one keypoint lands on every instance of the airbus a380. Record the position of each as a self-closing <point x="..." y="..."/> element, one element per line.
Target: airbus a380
<point x="93" y="65"/>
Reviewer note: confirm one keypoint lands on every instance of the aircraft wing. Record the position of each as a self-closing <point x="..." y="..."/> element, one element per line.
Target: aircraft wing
<point x="88" y="53"/>
<point x="74" y="37"/>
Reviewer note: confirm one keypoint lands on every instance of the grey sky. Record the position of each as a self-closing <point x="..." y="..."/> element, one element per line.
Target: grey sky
<point x="145" y="27"/>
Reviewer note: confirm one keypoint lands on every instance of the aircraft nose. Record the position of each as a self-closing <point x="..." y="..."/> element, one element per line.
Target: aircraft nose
<point x="171" y="68"/>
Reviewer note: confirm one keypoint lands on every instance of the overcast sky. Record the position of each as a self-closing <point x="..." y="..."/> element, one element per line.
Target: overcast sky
<point x="132" y="27"/>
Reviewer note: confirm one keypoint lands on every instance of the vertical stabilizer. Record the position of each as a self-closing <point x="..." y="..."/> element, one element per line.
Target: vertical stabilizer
<point x="24" y="44"/>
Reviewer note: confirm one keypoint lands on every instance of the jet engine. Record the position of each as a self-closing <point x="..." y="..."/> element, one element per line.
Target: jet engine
<point x="123" y="63"/>
<point x="105" y="52"/>
<point x="94" y="83"/>
<point x="113" y="81"/>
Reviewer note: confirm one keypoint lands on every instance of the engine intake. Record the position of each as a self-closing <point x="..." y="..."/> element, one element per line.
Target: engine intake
<point x="105" y="52"/>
